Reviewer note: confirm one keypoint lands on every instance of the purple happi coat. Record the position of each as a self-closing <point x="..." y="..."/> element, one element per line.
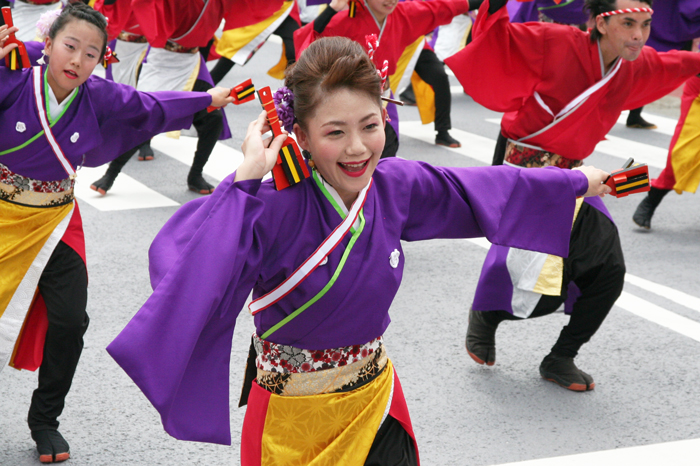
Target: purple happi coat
<point x="104" y="120"/>
<point x="247" y="236"/>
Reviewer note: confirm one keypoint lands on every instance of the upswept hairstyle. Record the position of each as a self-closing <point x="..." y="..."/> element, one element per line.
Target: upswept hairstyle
<point x="596" y="7"/>
<point x="80" y="11"/>
<point x="329" y="64"/>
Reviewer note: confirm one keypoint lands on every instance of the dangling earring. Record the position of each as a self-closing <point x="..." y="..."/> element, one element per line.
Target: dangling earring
<point x="41" y="60"/>
<point x="307" y="156"/>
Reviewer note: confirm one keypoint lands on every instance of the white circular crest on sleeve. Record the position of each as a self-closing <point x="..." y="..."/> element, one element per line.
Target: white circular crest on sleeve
<point x="74" y="138"/>
<point x="21" y="127"/>
<point x="394" y="258"/>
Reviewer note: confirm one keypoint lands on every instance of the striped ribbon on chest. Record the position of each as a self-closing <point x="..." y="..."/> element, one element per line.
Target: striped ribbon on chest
<point x="39" y="98"/>
<point x="305" y="269"/>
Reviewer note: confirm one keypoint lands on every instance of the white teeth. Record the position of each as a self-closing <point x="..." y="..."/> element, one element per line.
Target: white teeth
<point x="354" y="166"/>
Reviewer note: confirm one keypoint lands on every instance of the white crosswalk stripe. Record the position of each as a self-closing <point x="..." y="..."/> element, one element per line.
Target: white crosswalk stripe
<point x="681" y="453"/>
<point x="222" y="162"/>
<point x="126" y="193"/>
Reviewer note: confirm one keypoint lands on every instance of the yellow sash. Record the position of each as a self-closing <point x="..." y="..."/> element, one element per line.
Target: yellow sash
<point x="29" y="236"/>
<point x="333" y="428"/>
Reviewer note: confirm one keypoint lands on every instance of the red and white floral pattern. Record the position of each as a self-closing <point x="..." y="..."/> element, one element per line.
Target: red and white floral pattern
<point x="273" y="357"/>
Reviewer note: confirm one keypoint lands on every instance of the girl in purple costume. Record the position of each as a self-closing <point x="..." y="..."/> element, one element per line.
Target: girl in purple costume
<point x="328" y="327"/>
<point x="54" y="118"/>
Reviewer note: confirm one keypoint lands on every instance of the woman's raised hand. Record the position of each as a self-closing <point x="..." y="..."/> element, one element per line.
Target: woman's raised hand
<point x="259" y="156"/>
<point x="4" y="34"/>
<point x="596" y="179"/>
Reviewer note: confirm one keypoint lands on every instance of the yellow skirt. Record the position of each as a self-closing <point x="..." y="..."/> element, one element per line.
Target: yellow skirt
<point x="29" y="236"/>
<point x="332" y="428"/>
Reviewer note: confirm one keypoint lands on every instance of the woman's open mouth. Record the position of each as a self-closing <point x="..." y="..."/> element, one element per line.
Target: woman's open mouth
<point x="354" y="169"/>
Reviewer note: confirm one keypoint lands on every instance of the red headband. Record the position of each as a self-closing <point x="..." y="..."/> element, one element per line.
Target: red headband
<point x="626" y="10"/>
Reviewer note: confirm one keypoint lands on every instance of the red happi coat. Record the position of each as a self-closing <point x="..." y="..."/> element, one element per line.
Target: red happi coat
<point x="532" y="71"/>
<point x="403" y="26"/>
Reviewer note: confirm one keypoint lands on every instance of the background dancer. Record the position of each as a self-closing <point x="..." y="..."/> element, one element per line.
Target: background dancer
<point x="248" y="26"/>
<point x="562" y="90"/>
<point x="177" y="347"/>
<point x="176" y="29"/>
<point x="83" y="120"/>
<point x="397" y="26"/>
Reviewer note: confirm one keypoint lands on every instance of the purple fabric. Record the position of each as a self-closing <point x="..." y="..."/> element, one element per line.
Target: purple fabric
<point x="495" y="288"/>
<point x="674" y="24"/>
<point x="108" y="118"/>
<point x="565" y="13"/>
<point x="177" y="347"/>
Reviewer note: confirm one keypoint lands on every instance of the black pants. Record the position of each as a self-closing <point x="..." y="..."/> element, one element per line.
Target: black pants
<point x="392" y="446"/>
<point x="432" y="71"/>
<point x="208" y="126"/>
<point x="596" y="265"/>
<point x="63" y="284"/>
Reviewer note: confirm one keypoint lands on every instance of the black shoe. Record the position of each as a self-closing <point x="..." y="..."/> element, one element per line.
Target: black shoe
<point x="562" y="371"/>
<point x="645" y="209"/>
<point x="639" y="122"/>
<point x="104" y="184"/>
<point x="642" y="216"/>
<point x="443" y="138"/>
<point x="51" y="445"/>
<point x="198" y="184"/>
<point x="145" y="151"/>
<point x="481" y="339"/>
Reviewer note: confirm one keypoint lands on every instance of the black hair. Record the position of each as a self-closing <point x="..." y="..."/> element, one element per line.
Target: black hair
<point x="85" y="13"/>
<point x="596" y="7"/>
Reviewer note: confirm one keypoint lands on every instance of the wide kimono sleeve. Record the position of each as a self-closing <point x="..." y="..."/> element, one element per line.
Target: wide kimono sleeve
<point x="203" y="264"/>
<point x="524" y="208"/>
<point x="504" y="62"/>
<point x="658" y="73"/>
<point x="128" y="117"/>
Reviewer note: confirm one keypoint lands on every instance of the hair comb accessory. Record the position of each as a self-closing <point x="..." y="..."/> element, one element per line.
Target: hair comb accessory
<point x="110" y="58"/>
<point x="43" y="26"/>
<point x="284" y="104"/>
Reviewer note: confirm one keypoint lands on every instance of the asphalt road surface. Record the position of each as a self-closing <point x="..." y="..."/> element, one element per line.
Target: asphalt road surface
<point x="644" y="409"/>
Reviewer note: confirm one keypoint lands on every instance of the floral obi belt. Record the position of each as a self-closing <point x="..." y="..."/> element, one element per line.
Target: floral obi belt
<point x="21" y="190"/>
<point x="525" y="155"/>
<point x="289" y="371"/>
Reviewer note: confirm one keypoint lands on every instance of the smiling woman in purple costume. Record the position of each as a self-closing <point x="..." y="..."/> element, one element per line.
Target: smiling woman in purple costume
<point x="54" y="118"/>
<point x="320" y="311"/>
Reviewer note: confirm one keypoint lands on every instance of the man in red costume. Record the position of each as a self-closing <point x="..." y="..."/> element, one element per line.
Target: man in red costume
<point x="562" y="90"/>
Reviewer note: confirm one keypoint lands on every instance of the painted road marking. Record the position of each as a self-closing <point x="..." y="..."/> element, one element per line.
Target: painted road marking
<point x="473" y="146"/>
<point x="126" y="193"/>
<point x="222" y="162"/>
<point x="680" y="453"/>
<point x="664" y="125"/>
<point x="645" y="309"/>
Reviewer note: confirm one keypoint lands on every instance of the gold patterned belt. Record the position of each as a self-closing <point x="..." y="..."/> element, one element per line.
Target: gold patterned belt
<point x="524" y="155"/>
<point x="177" y="48"/>
<point x="22" y="190"/>
<point x="288" y="371"/>
<point x="129" y="37"/>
